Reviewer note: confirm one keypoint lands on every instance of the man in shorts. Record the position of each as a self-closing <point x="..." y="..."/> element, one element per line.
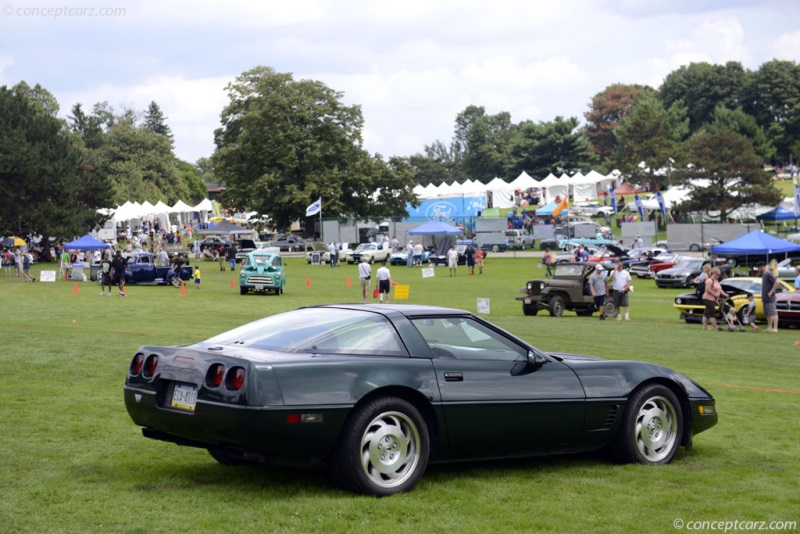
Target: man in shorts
<point x="621" y="284"/>
<point x="384" y="281"/>
<point x="364" y="275"/>
<point x="597" y="285"/>
<point x="105" y="274"/>
<point x="118" y="268"/>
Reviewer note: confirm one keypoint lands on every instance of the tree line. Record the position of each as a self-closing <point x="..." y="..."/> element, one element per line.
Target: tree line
<point x="282" y="143"/>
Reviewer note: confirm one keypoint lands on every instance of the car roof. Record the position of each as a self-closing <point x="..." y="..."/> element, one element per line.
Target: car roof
<point x="409" y="310"/>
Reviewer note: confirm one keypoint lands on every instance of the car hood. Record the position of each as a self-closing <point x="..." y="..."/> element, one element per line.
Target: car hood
<point x="574" y="357"/>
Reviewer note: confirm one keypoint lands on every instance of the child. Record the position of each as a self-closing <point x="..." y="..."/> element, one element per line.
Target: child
<point x="197" y="277"/>
<point x="749" y="312"/>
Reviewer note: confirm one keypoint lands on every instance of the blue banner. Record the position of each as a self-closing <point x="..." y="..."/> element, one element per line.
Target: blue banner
<point x="447" y="209"/>
<point x="613" y="198"/>
<point x="797" y="200"/>
<point x="638" y="202"/>
<point x="661" y="206"/>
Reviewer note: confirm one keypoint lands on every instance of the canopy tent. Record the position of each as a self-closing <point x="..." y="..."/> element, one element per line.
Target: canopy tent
<point x="756" y="242"/>
<point x="499" y="194"/>
<point x="547" y="210"/>
<point x="523" y="182"/>
<point x="585" y="187"/>
<point x="435" y="228"/>
<point x="181" y="207"/>
<point x="777" y="214"/>
<point x="204" y="205"/>
<point x="86" y="242"/>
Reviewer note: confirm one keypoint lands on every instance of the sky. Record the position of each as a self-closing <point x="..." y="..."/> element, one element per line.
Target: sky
<point x="412" y="65"/>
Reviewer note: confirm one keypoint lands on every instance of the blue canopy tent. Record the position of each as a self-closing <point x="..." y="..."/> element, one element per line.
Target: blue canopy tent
<point x="435" y="228"/>
<point x="756" y="245"/>
<point x="547" y="210"/>
<point x="86" y="242"/>
<point x="778" y="214"/>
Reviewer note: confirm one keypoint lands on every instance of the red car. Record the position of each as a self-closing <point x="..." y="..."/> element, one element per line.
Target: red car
<point x="648" y="269"/>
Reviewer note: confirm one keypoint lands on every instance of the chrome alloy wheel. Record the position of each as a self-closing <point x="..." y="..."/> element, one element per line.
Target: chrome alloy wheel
<point x="656" y="429"/>
<point x="390" y="449"/>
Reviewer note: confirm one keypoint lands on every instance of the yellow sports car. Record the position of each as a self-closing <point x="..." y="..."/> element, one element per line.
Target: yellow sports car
<point x="692" y="308"/>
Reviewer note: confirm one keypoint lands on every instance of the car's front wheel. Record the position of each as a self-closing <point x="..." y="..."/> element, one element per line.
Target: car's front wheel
<point x="651" y="428"/>
<point x="495" y="248"/>
<point x="556" y="306"/>
<point x="383" y="449"/>
<point x="528" y="309"/>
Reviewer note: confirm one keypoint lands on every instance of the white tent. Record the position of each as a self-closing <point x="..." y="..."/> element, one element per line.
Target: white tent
<point x="430" y="191"/>
<point x="204" y="205"/>
<point x="160" y="207"/>
<point x="585" y="187"/>
<point x="181" y="207"/>
<point x="501" y="193"/>
<point x="523" y="182"/>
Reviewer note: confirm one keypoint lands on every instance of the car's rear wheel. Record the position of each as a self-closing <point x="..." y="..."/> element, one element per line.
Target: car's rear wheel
<point x="495" y="248"/>
<point x="383" y="449"/>
<point x="694" y="247"/>
<point x="651" y="428"/>
<point x="556" y="306"/>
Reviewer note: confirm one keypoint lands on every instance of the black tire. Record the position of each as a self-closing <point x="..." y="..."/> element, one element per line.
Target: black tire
<point x="372" y="260"/>
<point x="243" y="291"/>
<point x="609" y="309"/>
<point x="529" y="310"/>
<point x="651" y="429"/>
<point x="280" y="290"/>
<point x="380" y="467"/>
<point x="694" y="247"/>
<point x="225" y="458"/>
<point x="495" y="249"/>
<point x="556" y="306"/>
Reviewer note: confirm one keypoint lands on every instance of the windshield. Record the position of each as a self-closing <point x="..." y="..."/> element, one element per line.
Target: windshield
<point x="318" y="330"/>
<point x="691" y="265"/>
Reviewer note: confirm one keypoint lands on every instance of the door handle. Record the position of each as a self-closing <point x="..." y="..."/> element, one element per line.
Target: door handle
<point x="453" y="377"/>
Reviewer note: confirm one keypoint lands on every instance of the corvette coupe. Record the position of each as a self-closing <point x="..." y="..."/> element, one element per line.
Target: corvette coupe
<point x="376" y="392"/>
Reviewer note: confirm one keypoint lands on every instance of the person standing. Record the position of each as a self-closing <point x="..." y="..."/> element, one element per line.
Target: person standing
<point x="118" y="268"/>
<point x="364" y="275"/>
<point x="621" y="284"/>
<point x="452" y="260"/>
<point x="597" y="285"/>
<point x="384" y="277"/>
<point x="105" y="274"/>
<point x="769" y="285"/>
<point x="418" y="254"/>
<point x="231" y="254"/>
<point x="63" y="265"/>
<point x="197" y="276"/>
<point x="547" y="259"/>
<point x="26" y="269"/>
<point x="797" y="278"/>
<point x="332" y="254"/>
<point x="7" y="263"/>
<point x="469" y="254"/>
<point x="479" y="260"/>
<point x="711" y="295"/>
<point x="410" y="252"/>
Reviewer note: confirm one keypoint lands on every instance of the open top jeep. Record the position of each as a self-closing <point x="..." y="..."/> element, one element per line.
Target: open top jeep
<point x="567" y="290"/>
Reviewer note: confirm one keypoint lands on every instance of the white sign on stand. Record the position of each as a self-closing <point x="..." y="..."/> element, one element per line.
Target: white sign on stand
<point x="427" y="272"/>
<point x="47" y="276"/>
<point x="483" y="305"/>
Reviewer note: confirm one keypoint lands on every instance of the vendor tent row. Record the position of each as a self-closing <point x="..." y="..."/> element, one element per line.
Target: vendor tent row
<point x="581" y="187"/>
<point x="134" y="210"/>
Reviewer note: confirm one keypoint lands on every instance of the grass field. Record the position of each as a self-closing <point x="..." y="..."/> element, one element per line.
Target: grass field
<point x="72" y="461"/>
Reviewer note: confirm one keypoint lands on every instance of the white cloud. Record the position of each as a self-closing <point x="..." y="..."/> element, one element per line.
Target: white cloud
<point x="5" y="62"/>
<point x="787" y="47"/>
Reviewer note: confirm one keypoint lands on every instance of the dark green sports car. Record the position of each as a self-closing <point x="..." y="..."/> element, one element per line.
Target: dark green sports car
<point x="377" y="391"/>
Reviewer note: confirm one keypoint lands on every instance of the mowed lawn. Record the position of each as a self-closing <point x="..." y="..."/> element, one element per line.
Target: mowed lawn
<point x="72" y="461"/>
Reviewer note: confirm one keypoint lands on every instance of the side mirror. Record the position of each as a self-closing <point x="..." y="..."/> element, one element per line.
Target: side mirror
<point x="536" y="359"/>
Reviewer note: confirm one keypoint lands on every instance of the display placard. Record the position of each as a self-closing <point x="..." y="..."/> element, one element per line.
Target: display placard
<point x="47" y="276"/>
<point x="483" y="305"/>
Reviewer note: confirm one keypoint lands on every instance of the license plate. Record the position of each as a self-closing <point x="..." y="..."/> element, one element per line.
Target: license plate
<point x="184" y="397"/>
<point x="527" y="301"/>
<point x="259" y="288"/>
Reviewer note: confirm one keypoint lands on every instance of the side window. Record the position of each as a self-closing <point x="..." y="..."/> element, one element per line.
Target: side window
<point x="466" y="339"/>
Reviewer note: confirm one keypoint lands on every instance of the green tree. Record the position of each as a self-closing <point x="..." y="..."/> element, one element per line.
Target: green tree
<point x="732" y="173"/>
<point x="284" y="143"/>
<point x="484" y="141"/>
<point x="205" y="170"/>
<point x="195" y="187"/>
<point x="607" y="109"/>
<point x="648" y="141"/>
<point x="554" y="147"/>
<point x="88" y="127"/>
<point x="155" y="121"/>
<point x="48" y="189"/>
<point x="773" y="98"/>
<point x="702" y="87"/>
<point x="742" y="123"/>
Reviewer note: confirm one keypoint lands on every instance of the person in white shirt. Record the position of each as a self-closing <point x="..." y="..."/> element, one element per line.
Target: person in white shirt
<point x="410" y="252"/>
<point x="621" y="284"/>
<point x="384" y="281"/>
<point x="418" y="254"/>
<point x="332" y="255"/>
<point x="364" y="275"/>
<point x="452" y="260"/>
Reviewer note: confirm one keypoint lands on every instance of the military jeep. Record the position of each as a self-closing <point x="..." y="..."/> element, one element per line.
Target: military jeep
<point x="567" y="290"/>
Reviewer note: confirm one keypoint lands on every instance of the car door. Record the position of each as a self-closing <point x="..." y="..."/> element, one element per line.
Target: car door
<point x="142" y="268"/>
<point x="494" y="401"/>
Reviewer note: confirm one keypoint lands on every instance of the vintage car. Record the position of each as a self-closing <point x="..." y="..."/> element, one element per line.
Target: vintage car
<point x="684" y="273"/>
<point x="376" y="392"/>
<point x="372" y="251"/>
<point x="324" y="254"/>
<point x="786" y="269"/>
<point x="788" y="306"/>
<point x="214" y="243"/>
<point x="143" y="270"/>
<point x="262" y="271"/>
<point x="289" y="243"/>
<point x="691" y="246"/>
<point x="401" y="257"/>
<point x="656" y="264"/>
<point x="691" y="307"/>
<point x="567" y="290"/>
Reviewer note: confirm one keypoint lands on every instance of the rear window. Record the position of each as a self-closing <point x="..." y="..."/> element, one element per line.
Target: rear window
<point x="320" y="331"/>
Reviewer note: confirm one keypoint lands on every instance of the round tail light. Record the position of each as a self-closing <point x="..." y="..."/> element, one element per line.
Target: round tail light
<point x="136" y="364"/>
<point x="215" y="375"/>
<point x="236" y="378"/>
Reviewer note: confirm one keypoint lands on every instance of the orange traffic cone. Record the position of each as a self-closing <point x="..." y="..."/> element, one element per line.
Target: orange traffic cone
<point x="349" y="283"/>
<point x="75" y="289"/>
<point x="183" y="290"/>
<point x="233" y="284"/>
<point x="308" y="282"/>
